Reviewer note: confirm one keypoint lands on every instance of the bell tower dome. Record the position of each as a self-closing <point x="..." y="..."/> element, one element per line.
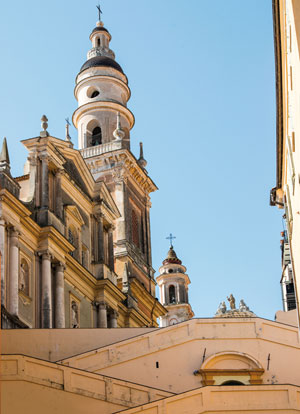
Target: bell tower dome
<point x="102" y="92"/>
<point x="104" y="122"/>
<point x="173" y="290"/>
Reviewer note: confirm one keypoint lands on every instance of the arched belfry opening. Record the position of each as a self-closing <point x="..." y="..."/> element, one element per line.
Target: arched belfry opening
<point x="96" y="136"/>
<point x="172" y="296"/>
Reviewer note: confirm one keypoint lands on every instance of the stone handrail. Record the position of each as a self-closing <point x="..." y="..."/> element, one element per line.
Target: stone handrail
<point x="101" y="149"/>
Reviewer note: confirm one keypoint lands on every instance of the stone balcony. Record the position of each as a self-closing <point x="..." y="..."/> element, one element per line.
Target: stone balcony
<point x="101" y="149"/>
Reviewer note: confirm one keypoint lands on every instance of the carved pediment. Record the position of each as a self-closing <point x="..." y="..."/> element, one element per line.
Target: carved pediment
<point x="73" y="212"/>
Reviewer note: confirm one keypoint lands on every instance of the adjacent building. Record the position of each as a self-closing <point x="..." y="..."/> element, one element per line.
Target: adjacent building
<point x="286" y="194"/>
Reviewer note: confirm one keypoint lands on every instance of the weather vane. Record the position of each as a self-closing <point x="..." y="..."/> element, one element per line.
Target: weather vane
<point x="67" y="121"/>
<point x="99" y="11"/>
<point x="171" y="237"/>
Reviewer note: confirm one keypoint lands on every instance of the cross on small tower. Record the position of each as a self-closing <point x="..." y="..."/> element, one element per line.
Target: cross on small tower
<point x="99" y="12"/>
<point x="171" y="237"/>
<point x="68" y="138"/>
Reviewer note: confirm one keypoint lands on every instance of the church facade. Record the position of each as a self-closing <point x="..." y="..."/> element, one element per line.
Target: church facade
<point x="75" y="228"/>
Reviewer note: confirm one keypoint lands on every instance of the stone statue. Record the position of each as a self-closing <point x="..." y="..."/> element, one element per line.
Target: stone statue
<point x="222" y="308"/>
<point x="74" y="315"/>
<point x="23" y="277"/>
<point x="243" y="307"/>
<point x="231" y="301"/>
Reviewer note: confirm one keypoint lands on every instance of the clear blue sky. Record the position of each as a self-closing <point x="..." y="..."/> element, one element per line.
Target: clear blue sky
<point x="203" y="95"/>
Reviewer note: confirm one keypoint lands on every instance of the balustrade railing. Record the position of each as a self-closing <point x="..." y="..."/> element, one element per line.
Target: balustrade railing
<point x="101" y="149"/>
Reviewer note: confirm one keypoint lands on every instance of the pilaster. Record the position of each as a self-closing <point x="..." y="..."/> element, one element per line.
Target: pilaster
<point x="46" y="297"/>
<point x="59" y="296"/>
<point x="13" y="302"/>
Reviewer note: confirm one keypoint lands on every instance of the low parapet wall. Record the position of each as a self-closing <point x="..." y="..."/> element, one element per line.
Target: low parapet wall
<point x="28" y="383"/>
<point x="228" y="399"/>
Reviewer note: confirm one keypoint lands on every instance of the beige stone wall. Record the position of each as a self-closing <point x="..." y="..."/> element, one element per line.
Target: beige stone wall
<point x="281" y="399"/>
<point x="32" y="386"/>
<point x="179" y="351"/>
<point x="55" y="344"/>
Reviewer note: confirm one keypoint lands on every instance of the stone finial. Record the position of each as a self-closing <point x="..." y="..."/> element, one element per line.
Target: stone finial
<point x="44" y="125"/>
<point x="4" y="157"/>
<point x="142" y="162"/>
<point x="118" y="133"/>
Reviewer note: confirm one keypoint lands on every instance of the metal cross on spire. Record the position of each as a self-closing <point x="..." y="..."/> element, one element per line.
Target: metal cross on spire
<point x="171" y="237"/>
<point x="99" y="11"/>
<point x="68" y="138"/>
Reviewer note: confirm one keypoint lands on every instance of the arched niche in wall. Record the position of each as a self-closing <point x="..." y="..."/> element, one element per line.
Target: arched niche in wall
<point x="227" y="367"/>
<point x="24" y="277"/>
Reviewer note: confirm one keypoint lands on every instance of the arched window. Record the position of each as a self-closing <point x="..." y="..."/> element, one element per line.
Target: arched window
<point x="232" y="382"/>
<point x="96" y="136"/>
<point x="135" y="228"/>
<point x="98" y="42"/>
<point x="172" y="297"/>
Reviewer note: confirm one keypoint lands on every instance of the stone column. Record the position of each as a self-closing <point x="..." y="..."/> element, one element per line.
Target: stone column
<point x="2" y="250"/>
<point x="46" y="298"/>
<point x="120" y="201"/>
<point x="111" y="249"/>
<point x="59" y="296"/>
<point x="95" y="314"/>
<point x="58" y="195"/>
<point x="102" y="315"/>
<point x="45" y="182"/>
<point x="163" y="294"/>
<point x="13" y="302"/>
<point x="100" y="240"/>
<point x="114" y="319"/>
<point x="177" y="293"/>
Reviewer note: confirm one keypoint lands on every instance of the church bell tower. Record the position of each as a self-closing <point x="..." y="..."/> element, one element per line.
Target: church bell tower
<point x="104" y="122"/>
<point x="173" y="289"/>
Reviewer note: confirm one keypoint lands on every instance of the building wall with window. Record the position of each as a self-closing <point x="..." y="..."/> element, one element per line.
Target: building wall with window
<point x="286" y="194"/>
<point x="198" y="366"/>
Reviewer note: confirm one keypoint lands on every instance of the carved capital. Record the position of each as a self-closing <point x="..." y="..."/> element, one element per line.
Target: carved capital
<point x="60" y="267"/>
<point x="102" y="305"/>
<point x="44" y="158"/>
<point x="13" y="233"/>
<point x="94" y="303"/>
<point x="32" y="158"/>
<point x="115" y="314"/>
<point x="59" y="172"/>
<point x="119" y="174"/>
<point x="99" y="217"/>
<point x="46" y="255"/>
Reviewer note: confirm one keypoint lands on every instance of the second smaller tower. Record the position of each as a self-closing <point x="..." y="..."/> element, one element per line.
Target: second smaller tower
<point x="173" y="290"/>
